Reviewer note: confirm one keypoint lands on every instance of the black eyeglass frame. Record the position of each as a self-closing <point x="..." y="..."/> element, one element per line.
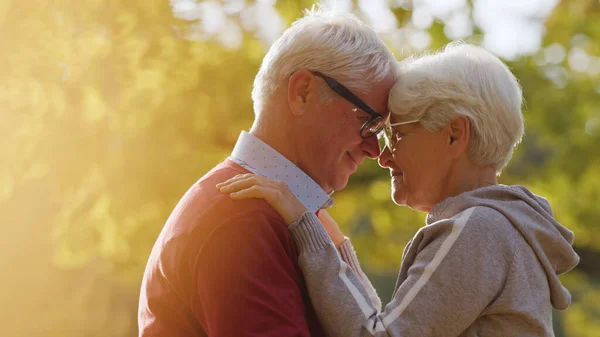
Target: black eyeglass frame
<point x="376" y="117"/>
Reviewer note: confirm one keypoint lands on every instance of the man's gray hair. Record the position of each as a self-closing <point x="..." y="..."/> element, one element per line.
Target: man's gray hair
<point x="466" y="80"/>
<point x="337" y="44"/>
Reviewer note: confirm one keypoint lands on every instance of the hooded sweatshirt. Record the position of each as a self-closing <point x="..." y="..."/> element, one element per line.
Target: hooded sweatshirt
<point x="485" y="264"/>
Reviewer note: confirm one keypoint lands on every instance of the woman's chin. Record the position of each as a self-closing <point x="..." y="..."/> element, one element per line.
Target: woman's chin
<point x="398" y="197"/>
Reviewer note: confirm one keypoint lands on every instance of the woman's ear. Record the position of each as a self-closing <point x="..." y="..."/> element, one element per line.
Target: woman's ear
<point x="459" y="135"/>
<point x="302" y="89"/>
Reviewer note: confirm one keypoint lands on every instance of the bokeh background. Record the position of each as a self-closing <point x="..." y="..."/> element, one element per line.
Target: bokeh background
<point x="111" y="109"/>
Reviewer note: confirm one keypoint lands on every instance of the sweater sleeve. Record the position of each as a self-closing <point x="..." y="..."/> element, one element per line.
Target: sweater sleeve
<point x="348" y="255"/>
<point x="454" y="276"/>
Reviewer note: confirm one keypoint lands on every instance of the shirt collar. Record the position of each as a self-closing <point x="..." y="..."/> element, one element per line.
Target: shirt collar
<point x="259" y="158"/>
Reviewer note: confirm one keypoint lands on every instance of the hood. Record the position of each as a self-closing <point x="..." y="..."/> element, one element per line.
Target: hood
<point x="532" y="216"/>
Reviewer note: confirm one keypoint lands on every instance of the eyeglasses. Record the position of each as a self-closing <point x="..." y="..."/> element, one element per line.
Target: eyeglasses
<point x="372" y="126"/>
<point x="389" y="136"/>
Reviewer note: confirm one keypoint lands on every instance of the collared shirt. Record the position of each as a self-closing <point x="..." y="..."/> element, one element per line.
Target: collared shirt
<point x="258" y="157"/>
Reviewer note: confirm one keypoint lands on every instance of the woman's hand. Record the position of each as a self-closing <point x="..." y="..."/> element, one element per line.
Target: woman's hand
<point x="332" y="228"/>
<point x="276" y="193"/>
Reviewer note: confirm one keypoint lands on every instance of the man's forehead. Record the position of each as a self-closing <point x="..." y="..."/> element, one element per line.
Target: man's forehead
<point x="380" y="94"/>
<point x="378" y="100"/>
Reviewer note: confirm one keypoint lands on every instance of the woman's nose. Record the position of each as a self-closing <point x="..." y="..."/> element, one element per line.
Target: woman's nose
<point x="385" y="157"/>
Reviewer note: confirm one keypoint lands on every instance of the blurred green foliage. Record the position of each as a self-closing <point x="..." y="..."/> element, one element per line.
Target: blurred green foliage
<point x="110" y="110"/>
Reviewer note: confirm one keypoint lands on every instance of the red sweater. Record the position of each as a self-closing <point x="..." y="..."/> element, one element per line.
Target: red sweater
<point x="224" y="268"/>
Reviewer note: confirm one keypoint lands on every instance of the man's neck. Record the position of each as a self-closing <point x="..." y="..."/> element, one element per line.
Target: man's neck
<point x="277" y="136"/>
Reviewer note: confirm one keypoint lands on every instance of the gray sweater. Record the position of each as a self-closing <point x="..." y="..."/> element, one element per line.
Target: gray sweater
<point x="485" y="264"/>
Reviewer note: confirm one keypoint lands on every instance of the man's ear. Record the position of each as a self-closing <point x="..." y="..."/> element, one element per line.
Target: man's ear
<point x="459" y="135"/>
<point x="302" y="91"/>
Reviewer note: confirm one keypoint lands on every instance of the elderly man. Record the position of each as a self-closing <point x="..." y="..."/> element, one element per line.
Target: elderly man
<point x="225" y="268"/>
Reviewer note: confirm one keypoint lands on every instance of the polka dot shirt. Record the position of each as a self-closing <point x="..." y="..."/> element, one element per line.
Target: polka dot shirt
<point x="257" y="157"/>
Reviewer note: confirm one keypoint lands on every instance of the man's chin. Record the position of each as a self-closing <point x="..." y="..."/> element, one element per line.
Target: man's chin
<point x="339" y="184"/>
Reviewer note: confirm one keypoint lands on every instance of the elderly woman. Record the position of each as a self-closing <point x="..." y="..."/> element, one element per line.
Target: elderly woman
<point x="486" y="261"/>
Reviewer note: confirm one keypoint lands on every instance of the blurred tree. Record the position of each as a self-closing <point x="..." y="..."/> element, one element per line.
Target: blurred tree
<point x="112" y="109"/>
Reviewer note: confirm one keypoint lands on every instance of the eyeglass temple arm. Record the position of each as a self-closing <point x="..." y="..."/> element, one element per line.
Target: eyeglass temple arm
<point x="348" y="95"/>
<point x="402" y="123"/>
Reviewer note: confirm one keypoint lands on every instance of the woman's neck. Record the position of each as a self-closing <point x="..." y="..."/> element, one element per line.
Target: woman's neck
<point x="470" y="177"/>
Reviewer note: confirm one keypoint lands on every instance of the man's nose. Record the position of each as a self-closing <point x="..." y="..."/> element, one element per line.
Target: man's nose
<point x="385" y="158"/>
<point x="371" y="147"/>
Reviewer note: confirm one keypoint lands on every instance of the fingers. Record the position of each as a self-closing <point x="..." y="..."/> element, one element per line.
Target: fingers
<point x="244" y="186"/>
<point x="242" y="181"/>
<point x="276" y="193"/>
<point x="234" y="179"/>
<point x="241" y="184"/>
<point x="255" y="191"/>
